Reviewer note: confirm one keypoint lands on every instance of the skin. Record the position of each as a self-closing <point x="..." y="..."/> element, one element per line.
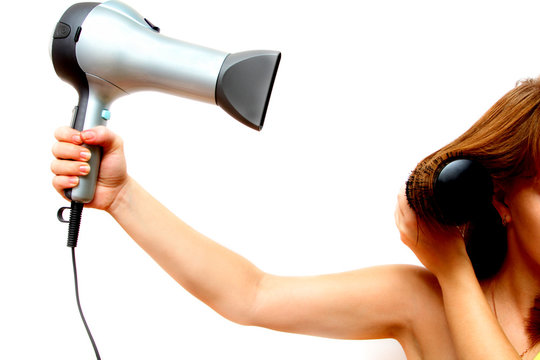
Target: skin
<point x="437" y="312"/>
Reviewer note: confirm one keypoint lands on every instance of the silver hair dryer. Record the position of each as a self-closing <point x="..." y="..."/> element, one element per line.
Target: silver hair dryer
<point x="107" y="50"/>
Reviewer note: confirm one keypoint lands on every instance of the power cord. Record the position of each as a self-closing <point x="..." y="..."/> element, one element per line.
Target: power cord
<point x="73" y="236"/>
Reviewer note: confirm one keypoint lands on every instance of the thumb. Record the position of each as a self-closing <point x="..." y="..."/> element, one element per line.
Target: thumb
<point x="101" y="136"/>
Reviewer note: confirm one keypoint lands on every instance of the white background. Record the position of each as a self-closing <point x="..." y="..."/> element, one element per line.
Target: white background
<point x="365" y="90"/>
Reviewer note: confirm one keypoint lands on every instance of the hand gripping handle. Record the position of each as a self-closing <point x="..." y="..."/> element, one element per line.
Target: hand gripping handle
<point x="88" y="114"/>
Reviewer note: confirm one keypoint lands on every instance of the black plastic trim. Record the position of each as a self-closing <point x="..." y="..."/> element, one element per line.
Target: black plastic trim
<point x="154" y="27"/>
<point x="63" y="48"/>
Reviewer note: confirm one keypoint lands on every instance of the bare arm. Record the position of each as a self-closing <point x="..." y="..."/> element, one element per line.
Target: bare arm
<point x="474" y="328"/>
<point x="353" y="305"/>
<point x="217" y="276"/>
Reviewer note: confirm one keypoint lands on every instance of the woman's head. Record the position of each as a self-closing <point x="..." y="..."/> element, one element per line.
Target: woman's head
<point x="506" y="141"/>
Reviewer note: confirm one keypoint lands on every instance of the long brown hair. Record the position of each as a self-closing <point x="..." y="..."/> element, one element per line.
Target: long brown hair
<point x="506" y="141"/>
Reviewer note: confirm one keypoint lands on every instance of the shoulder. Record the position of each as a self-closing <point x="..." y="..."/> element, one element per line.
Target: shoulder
<point x="415" y="289"/>
<point x="407" y="293"/>
<point x="405" y="301"/>
<point x="406" y="280"/>
<point x="418" y="278"/>
<point x="419" y="303"/>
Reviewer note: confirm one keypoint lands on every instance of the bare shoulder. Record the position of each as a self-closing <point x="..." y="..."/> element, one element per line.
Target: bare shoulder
<point x="410" y="275"/>
<point x="425" y="333"/>
<point x="410" y="309"/>
<point x="413" y="293"/>
<point x="418" y="280"/>
<point x="408" y="284"/>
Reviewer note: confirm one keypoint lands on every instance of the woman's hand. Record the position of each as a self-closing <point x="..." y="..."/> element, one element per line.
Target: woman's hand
<point x="439" y="248"/>
<point x="71" y="162"/>
<point x="474" y="329"/>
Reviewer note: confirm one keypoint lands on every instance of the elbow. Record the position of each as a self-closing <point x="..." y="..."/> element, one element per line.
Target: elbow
<point x="245" y="307"/>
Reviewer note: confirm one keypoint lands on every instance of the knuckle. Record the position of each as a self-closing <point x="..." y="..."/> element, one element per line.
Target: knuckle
<point x="119" y="142"/>
<point x="61" y="132"/>
<point x="101" y="131"/>
<point x="58" y="183"/>
<point x="55" y="183"/>
<point x="54" y="149"/>
<point x="54" y="166"/>
<point x="57" y="133"/>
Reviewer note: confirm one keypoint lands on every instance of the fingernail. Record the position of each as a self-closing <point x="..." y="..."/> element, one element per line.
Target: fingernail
<point x="85" y="155"/>
<point x="73" y="180"/>
<point x="76" y="138"/>
<point x="88" y="135"/>
<point x="84" y="169"/>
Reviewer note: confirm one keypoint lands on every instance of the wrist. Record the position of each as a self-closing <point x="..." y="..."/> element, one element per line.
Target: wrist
<point x="457" y="273"/>
<point x="122" y="198"/>
<point x="453" y="259"/>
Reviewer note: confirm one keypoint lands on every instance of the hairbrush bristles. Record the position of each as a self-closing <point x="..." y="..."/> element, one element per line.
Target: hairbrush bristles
<point x="420" y="186"/>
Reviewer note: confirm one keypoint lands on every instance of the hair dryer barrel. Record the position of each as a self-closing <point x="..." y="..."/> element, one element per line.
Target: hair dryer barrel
<point x="108" y="50"/>
<point x="120" y="46"/>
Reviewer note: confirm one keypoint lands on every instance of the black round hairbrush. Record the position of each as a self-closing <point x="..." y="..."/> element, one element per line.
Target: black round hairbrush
<point x="462" y="191"/>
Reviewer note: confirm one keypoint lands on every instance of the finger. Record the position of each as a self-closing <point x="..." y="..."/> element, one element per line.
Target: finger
<point x="398" y="213"/>
<point x="405" y="217"/>
<point x="67" y="134"/>
<point x="60" y="183"/>
<point x="64" y="150"/>
<point x="403" y="203"/>
<point x="397" y="216"/>
<point x="70" y="168"/>
<point x="401" y="198"/>
<point x="103" y="137"/>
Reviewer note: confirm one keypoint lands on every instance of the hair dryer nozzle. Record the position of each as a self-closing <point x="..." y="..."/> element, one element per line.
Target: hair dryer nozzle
<point x="245" y="83"/>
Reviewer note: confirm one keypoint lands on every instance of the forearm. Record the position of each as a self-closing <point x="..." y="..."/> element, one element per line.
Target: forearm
<point x="217" y="276"/>
<point x="474" y="328"/>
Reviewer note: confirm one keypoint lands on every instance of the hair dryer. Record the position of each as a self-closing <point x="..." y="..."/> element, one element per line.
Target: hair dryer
<point x="107" y="50"/>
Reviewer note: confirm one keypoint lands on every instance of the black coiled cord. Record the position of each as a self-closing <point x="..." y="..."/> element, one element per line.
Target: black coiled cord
<point x="73" y="236"/>
<point x="74" y="223"/>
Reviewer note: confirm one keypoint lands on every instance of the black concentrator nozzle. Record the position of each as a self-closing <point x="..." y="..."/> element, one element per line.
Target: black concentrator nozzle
<point x="245" y="84"/>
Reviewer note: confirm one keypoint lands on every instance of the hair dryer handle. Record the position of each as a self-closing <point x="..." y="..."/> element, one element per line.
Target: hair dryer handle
<point x="88" y="114"/>
<point x="85" y="190"/>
